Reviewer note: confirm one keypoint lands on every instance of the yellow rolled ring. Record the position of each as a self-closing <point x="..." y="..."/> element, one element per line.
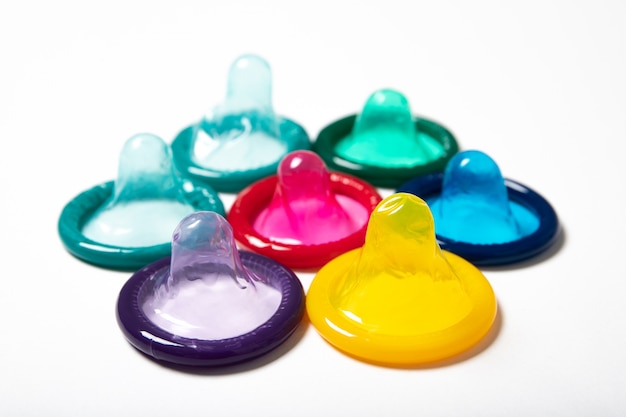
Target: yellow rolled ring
<point x="400" y="299"/>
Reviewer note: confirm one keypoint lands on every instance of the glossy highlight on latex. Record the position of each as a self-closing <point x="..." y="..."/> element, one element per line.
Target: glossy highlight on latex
<point x="400" y="300"/>
<point x="385" y="144"/>
<point x="217" y="304"/>
<point x="241" y="139"/>
<point x="128" y="223"/>
<point x="304" y="215"/>
<point x="483" y="217"/>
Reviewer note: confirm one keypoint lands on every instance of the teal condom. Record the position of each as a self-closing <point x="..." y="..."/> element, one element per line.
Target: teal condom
<point x="385" y="144"/>
<point x="128" y="223"/>
<point x="241" y="139"/>
<point x="145" y="194"/>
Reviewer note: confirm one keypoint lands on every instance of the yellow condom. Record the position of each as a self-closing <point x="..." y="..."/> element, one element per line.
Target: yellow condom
<point x="400" y="299"/>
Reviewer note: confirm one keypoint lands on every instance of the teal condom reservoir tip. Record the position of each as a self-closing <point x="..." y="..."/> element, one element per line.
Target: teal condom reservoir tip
<point x="241" y="139"/>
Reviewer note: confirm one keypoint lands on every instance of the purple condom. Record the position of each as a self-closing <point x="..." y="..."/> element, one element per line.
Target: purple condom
<point x="209" y="304"/>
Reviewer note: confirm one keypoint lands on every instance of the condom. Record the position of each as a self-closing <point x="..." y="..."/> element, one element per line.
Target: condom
<point x="385" y="144"/>
<point x="128" y="223"/>
<point x="303" y="216"/>
<point x="242" y="139"/>
<point x="209" y="304"/>
<point x="399" y="300"/>
<point x="483" y="217"/>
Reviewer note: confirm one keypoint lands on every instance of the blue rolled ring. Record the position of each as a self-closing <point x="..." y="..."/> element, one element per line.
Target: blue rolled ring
<point x="541" y="239"/>
<point x="161" y="345"/>
<point x="80" y="208"/>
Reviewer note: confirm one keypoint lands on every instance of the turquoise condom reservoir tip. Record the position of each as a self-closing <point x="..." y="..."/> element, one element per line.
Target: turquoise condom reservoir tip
<point x="241" y="139"/>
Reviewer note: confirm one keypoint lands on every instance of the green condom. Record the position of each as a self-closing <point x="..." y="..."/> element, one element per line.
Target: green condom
<point x="385" y="144"/>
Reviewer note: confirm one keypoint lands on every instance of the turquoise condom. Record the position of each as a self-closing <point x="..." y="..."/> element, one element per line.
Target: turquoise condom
<point x="128" y="223"/>
<point x="242" y="139"/>
<point x="385" y="144"/>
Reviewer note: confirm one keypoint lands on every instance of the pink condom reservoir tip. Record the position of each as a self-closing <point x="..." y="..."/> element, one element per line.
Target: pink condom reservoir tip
<point x="304" y="207"/>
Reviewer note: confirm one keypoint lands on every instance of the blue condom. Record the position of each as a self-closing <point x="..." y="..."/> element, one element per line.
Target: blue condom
<point x="128" y="223"/>
<point x="241" y="140"/>
<point x="483" y="217"/>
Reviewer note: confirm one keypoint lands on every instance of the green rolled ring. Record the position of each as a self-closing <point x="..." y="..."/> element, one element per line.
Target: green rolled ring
<point x="378" y="175"/>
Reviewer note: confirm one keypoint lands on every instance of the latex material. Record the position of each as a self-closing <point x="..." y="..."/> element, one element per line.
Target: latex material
<point x="303" y="216"/>
<point x="483" y="217"/>
<point x="209" y="304"/>
<point x="305" y="209"/>
<point x="399" y="299"/>
<point x="241" y="140"/>
<point x="385" y="144"/>
<point x="128" y="223"/>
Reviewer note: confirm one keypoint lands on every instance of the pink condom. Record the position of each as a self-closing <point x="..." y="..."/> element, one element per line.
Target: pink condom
<point x="304" y="216"/>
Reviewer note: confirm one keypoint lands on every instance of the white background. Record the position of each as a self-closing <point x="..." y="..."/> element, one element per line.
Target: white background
<point x="538" y="85"/>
